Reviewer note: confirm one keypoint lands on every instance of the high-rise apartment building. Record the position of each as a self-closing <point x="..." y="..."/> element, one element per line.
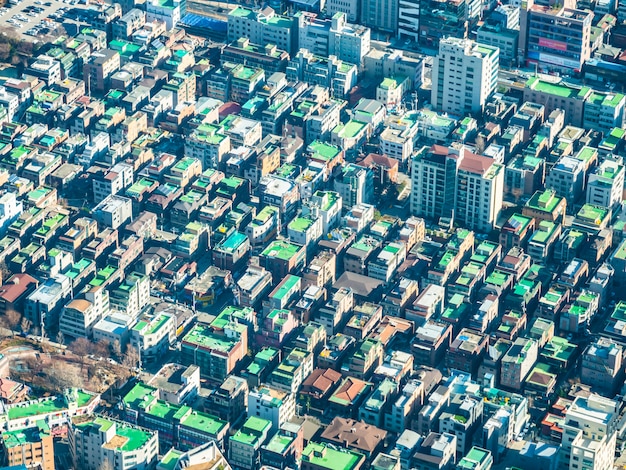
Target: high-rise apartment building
<point x="449" y="182"/>
<point x="464" y="75"/>
<point x="480" y="186"/>
<point x="409" y="19"/>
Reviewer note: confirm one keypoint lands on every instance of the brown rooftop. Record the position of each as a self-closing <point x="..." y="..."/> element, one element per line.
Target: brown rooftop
<point x="354" y="434"/>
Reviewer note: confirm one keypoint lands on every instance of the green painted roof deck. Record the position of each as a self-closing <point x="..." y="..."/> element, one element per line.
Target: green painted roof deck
<point x="252" y="431"/>
<point x="559" y="349"/>
<point x="103" y="276"/>
<point x="551" y="88"/>
<point x="322" y="456"/>
<point x="279" y="443"/>
<point x="266" y="355"/>
<point x="281" y="249"/>
<point x="51" y="224"/>
<point x="592" y="214"/>
<point x="300" y="224"/>
<point x="621" y="251"/>
<point x="546" y="200"/>
<point x="170" y="460"/>
<point x="45" y="406"/>
<point x="351" y="129"/>
<point x="22" y="437"/>
<point x="136" y="438"/>
<point x="445" y="260"/>
<point x="78" y="268"/>
<point x="139" y="395"/>
<point x="586" y="153"/>
<point x="544" y="231"/>
<point x="203" y="336"/>
<point x="475" y="457"/>
<point x="323" y="151"/>
<point x="204" y="422"/>
<point x="287" y="286"/>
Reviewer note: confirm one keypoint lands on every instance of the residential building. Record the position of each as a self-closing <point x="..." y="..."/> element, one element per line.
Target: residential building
<point x="244" y="446"/>
<point x="464" y="75"/>
<point x="29" y="448"/>
<point x="517" y="363"/>
<point x="270" y="404"/>
<point x="605" y="185"/>
<point x="95" y="439"/>
<point x="263" y="27"/>
<point x="602" y="366"/>
<point x="589" y="433"/>
<point x="480" y="187"/>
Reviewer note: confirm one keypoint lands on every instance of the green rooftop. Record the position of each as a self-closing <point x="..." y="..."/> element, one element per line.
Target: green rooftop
<point x="45" y="406"/>
<point x="592" y="214"/>
<point x="325" y="457"/>
<point x="323" y="151"/>
<point x="545" y="201"/>
<point x="300" y="224"/>
<point x="282" y="250"/>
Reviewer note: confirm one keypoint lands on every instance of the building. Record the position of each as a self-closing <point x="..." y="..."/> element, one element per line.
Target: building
<point x="518" y="362"/>
<point x="605" y="185"/>
<point x="94" y="439"/>
<point x="355" y="185"/>
<point x="473" y="65"/>
<point x="276" y="406"/>
<point x="480" y="187"/>
<point x="355" y="435"/>
<point x="334" y="36"/>
<point x="44" y="305"/>
<point x="408" y="19"/>
<point x="113" y="211"/>
<point x="589" y="433"/>
<point x="263" y="27"/>
<point x="316" y="456"/>
<point x="244" y="445"/>
<point x="30" y="447"/>
<point x="476" y="459"/>
<point x="170" y="11"/>
<point x="602" y="366"/>
<point x="152" y="336"/>
<point x="381" y="15"/>
<point x="569" y="45"/>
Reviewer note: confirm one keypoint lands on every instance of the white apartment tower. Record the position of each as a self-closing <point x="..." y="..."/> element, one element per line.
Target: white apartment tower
<point x="480" y="186"/>
<point x="464" y="74"/>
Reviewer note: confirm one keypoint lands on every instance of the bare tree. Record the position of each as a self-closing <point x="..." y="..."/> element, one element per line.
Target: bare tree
<point x="82" y="348"/>
<point x="60" y="337"/>
<point x="25" y="325"/>
<point x="116" y="349"/>
<point x="12" y="319"/>
<point x="5" y="331"/>
<point x="102" y="348"/>
<point x="62" y="376"/>
<point x="131" y="358"/>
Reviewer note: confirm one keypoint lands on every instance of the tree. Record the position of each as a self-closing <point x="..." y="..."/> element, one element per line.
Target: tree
<point x="116" y="349"/>
<point x="131" y="358"/>
<point x="102" y="348"/>
<point x="12" y="319"/>
<point x="25" y="325"/>
<point x="82" y="348"/>
<point x="60" y="337"/>
<point x="62" y="376"/>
